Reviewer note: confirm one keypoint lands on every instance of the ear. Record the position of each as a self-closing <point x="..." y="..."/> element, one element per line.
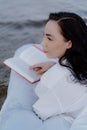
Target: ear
<point x="69" y="44"/>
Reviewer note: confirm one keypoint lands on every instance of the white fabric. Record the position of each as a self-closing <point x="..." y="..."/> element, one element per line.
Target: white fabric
<point x="80" y="123"/>
<point x="58" y="94"/>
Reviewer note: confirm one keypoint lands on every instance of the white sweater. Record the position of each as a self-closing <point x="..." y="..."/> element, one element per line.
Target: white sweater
<point x="58" y="94"/>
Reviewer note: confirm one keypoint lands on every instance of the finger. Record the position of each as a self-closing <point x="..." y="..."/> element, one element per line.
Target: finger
<point x="40" y="71"/>
<point x="36" y="65"/>
<point x="37" y="68"/>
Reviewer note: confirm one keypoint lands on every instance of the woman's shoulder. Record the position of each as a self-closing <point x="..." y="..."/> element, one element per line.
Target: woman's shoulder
<point x="59" y="75"/>
<point x="57" y="70"/>
<point x="55" y="74"/>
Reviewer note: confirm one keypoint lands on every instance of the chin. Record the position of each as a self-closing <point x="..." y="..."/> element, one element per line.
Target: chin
<point x="50" y="56"/>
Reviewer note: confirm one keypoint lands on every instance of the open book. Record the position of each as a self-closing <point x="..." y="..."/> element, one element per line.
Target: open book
<point x="28" y="57"/>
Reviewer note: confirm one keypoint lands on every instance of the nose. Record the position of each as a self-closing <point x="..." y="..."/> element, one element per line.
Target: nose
<point x="43" y="43"/>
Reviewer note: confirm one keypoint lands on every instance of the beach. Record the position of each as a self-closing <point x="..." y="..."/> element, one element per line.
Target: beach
<point x="22" y="22"/>
<point x="3" y="94"/>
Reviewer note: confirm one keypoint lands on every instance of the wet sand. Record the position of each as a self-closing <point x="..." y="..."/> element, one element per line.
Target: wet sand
<point x="3" y="93"/>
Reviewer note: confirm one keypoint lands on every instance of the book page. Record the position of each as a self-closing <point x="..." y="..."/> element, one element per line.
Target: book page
<point x="34" y="55"/>
<point x="28" y="57"/>
<point x="22" y="68"/>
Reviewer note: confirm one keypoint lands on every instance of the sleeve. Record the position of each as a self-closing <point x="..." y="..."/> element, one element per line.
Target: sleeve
<point x="48" y="105"/>
<point x="57" y="94"/>
<point x="64" y="97"/>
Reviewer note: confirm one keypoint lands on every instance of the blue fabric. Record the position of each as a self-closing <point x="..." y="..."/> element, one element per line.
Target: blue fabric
<point x="17" y="114"/>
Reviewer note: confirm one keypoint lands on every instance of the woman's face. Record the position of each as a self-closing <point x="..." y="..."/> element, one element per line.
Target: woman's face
<point x="54" y="44"/>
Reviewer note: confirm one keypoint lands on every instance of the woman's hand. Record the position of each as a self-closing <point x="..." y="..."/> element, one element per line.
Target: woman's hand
<point x="42" y="67"/>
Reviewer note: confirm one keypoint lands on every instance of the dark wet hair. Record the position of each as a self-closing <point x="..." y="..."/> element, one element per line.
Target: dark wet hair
<point x="74" y="28"/>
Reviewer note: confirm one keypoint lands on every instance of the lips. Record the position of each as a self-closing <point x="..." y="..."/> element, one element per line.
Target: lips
<point x="45" y="51"/>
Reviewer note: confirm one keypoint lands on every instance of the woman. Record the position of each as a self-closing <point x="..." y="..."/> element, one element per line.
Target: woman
<point x="62" y="89"/>
<point x="61" y="93"/>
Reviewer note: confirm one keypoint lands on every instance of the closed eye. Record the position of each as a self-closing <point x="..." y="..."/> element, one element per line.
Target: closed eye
<point x="50" y="39"/>
<point x="48" y="36"/>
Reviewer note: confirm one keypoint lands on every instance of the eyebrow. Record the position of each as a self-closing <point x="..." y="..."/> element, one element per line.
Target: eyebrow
<point x="49" y="35"/>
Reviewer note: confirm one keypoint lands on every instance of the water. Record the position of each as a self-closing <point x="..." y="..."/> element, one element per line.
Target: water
<point x="22" y="22"/>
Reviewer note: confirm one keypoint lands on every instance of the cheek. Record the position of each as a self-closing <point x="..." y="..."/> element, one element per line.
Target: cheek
<point x="60" y="49"/>
<point x="61" y="46"/>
